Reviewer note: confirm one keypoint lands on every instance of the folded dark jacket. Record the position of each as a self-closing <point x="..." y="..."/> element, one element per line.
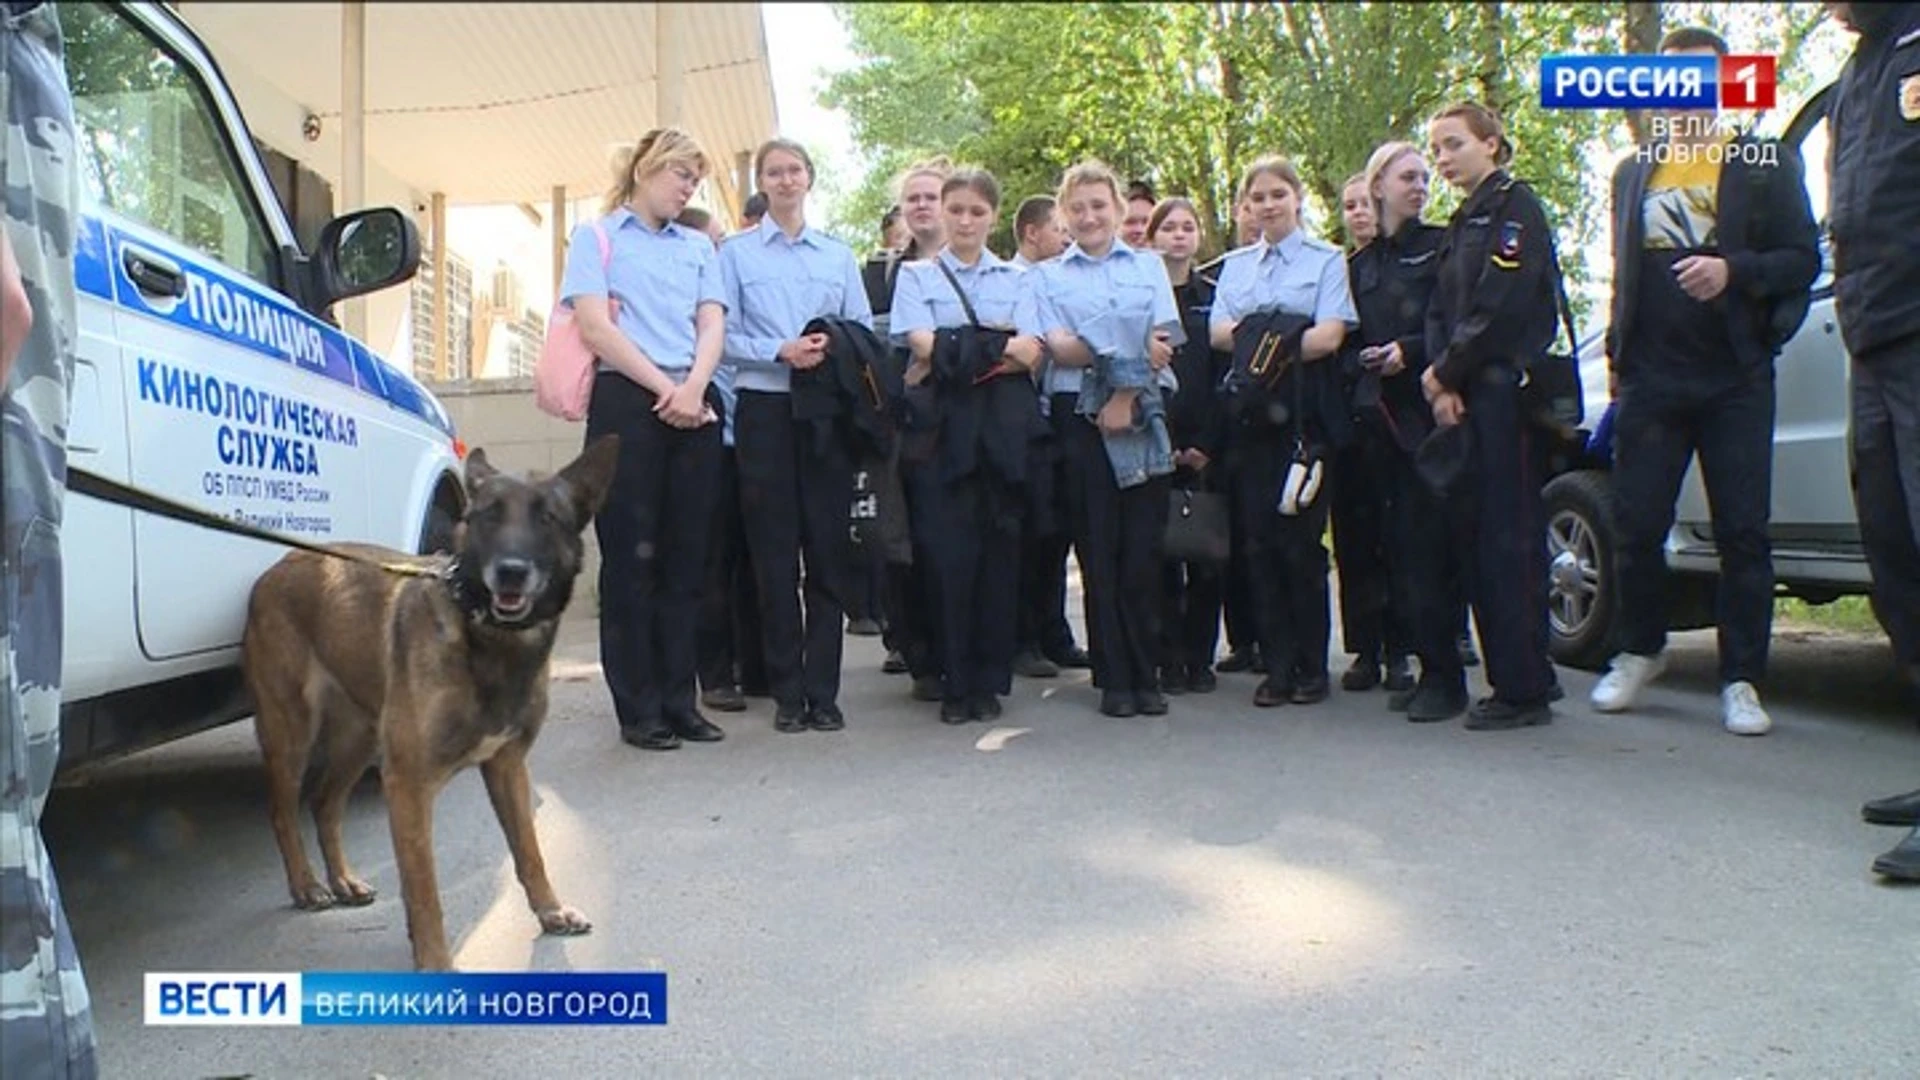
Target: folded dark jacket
<point x="850" y="396"/>
<point x="985" y="421"/>
<point x="1270" y="389"/>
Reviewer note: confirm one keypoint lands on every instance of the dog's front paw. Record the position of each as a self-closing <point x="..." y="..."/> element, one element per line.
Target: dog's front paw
<point x="564" y="920"/>
<point x="313" y="896"/>
<point x="350" y="891"/>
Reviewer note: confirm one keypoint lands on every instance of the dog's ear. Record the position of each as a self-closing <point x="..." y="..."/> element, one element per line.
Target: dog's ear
<point x="479" y="469"/>
<point x="587" y="478"/>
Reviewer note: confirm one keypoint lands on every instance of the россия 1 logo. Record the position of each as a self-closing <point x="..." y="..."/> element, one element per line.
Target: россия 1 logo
<point x="1657" y="82"/>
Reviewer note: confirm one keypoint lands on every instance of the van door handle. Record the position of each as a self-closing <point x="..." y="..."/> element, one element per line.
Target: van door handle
<point x="153" y="275"/>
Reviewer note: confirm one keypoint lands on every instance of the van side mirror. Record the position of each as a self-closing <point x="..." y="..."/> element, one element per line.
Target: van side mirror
<point x="362" y="252"/>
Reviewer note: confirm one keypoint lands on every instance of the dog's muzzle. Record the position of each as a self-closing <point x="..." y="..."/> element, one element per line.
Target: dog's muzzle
<point x="512" y="587"/>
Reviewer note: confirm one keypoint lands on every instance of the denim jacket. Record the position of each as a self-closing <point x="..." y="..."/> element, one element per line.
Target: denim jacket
<point x="1144" y="450"/>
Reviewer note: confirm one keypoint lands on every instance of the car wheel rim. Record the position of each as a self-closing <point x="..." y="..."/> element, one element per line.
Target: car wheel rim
<point x="1573" y="574"/>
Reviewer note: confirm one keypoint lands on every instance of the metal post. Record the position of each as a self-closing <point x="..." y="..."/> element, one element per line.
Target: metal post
<point x="670" y="76"/>
<point x="559" y="227"/>
<point x="440" y="283"/>
<point x="353" y="131"/>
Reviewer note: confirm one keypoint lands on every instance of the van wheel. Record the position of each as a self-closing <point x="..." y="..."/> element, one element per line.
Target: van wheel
<point x="1583" y="600"/>
<point x="436" y="534"/>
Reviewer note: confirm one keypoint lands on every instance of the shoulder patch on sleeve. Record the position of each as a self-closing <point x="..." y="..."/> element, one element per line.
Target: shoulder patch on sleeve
<point x="1506" y="250"/>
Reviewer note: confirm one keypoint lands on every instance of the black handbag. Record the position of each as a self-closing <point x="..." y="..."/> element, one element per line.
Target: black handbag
<point x="1198" y="530"/>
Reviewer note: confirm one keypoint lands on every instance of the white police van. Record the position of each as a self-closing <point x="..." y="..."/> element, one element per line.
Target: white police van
<point x="209" y="374"/>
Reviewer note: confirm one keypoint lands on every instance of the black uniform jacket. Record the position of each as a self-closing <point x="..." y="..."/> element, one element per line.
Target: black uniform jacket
<point x="1493" y="298"/>
<point x="849" y="396"/>
<point x="985" y="422"/>
<point x="1196" y="418"/>
<point x="1874" y="207"/>
<point x="1766" y="233"/>
<point x="1392" y="280"/>
<point x="1272" y="392"/>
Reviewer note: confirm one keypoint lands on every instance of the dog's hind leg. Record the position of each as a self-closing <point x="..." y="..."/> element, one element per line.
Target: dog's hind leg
<point x="351" y="746"/>
<point x="511" y="792"/>
<point x="284" y="724"/>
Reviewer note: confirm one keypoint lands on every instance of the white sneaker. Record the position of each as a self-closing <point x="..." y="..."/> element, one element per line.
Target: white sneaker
<point x="1740" y="706"/>
<point x="1629" y="674"/>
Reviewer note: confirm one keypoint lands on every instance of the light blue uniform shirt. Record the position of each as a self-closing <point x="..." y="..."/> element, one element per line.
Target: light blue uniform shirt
<point x="1002" y="295"/>
<point x="774" y="287"/>
<point x="659" y="277"/>
<point x="1299" y="275"/>
<point x="1112" y="303"/>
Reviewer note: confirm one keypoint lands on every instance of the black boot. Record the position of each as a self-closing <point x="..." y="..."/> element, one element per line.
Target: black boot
<point x="1903" y="862"/>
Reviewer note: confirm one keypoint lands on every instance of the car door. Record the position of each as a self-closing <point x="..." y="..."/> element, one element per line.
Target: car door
<point x="234" y="400"/>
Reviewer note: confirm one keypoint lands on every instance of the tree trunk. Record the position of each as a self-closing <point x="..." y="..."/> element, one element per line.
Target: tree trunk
<point x="1493" y="63"/>
<point x="1643" y="37"/>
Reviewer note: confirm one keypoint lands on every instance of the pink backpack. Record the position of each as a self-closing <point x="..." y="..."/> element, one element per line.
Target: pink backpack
<point x="563" y="377"/>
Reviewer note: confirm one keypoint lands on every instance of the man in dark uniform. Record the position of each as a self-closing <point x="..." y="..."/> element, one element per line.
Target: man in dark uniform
<point x="1874" y="217"/>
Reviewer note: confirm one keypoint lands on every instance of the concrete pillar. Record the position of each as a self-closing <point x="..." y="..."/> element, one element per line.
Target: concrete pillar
<point x="742" y="183"/>
<point x="440" y="265"/>
<point x="670" y="73"/>
<point x="558" y="215"/>
<point x="353" y="132"/>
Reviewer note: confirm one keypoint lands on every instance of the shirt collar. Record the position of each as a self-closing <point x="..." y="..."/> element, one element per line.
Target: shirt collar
<point x="770" y="229"/>
<point x="1288" y="248"/>
<point x="621" y="215"/>
<point x="1119" y="250"/>
<point x="988" y="260"/>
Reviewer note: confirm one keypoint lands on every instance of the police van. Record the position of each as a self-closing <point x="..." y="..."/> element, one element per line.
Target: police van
<point x="210" y="373"/>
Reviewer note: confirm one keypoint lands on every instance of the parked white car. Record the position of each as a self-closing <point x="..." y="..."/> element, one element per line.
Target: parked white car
<point x="209" y="374"/>
<point x="1817" y="554"/>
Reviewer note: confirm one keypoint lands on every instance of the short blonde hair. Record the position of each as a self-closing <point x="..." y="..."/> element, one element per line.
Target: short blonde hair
<point x="661" y="148"/>
<point x="940" y="167"/>
<point x="1088" y="173"/>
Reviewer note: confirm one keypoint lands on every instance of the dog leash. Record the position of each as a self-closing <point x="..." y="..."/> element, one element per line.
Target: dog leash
<point x="99" y="487"/>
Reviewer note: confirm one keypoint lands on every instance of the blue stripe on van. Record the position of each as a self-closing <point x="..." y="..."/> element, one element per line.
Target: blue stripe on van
<point x="223" y="305"/>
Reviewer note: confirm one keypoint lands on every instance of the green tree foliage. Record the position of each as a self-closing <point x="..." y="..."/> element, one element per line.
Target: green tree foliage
<point x="1186" y="95"/>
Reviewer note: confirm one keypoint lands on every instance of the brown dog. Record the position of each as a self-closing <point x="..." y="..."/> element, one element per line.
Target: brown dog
<point x="428" y="674"/>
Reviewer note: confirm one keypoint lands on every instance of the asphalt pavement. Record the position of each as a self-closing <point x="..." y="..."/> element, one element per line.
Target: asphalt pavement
<point x="1223" y="891"/>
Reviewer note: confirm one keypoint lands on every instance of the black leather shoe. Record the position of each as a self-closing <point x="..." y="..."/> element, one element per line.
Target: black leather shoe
<point x="1150" y="703"/>
<point x="985" y="707"/>
<point x="696" y="728"/>
<point x="724" y="699"/>
<point x="826" y="718"/>
<point x="863" y="628"/>
<point x="1312" y="690"/>
<point x="1032" y="665"/>
<point x="1893" y="810"/>
<point x="1271" y="692"/>
<point x="1903" y="862"/>
<point x="1235" y="662"/>
<point x="894" y="664"/>
<point x="1400" y="699"/>
<point x="660" y="737"/>
<point x="1074" y="657"/>
<point x="1363" y="675"/>
<point x="1173" y="680"/>
<point x="928" y="688"/>
<point x="1432" y="703"/>
<point x="1399" y="675"/>
<point x="790" y="719"/>
<point x="1201" y="680"/>
<point x="955" y="712"/>
<point x="1118" y="703"/>
<point x="1493" y="714"/>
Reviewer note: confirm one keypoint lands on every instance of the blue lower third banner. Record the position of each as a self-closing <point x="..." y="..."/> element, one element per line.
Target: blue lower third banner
<point x="379" y="998"/>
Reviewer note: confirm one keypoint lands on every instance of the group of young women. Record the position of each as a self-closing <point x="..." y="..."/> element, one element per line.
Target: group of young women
<point x="1085" y="389"/>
